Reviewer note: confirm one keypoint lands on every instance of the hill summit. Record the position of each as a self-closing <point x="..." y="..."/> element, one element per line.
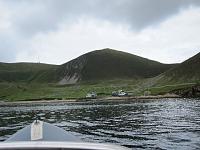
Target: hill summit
<point x="109" y="64"/>
<point x="102" y="64"/>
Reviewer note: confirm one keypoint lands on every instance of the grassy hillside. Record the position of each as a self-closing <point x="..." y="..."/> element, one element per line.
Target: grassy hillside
<point x="182" y="77"/>
<point x="96" y="65"/>
<point x="189" y="70"/>
<point x="102" y="71"/>
<point x="37" y="91"/>
<point x="25" y="72"/>
<point x="186" y="72"/>
<point x="112" y="64"/>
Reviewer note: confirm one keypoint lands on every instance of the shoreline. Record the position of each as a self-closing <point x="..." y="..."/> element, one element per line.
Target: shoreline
<point x="109" y="98"/>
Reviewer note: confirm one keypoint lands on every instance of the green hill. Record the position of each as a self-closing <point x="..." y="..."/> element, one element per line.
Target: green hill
<point x="24" y="72"/>
<point x="110" y="64"/>
<point x="183" y="79"/>
<point x="186" y="72"/>
<point x="102" y="71"/>
<point x="103" y="64"/>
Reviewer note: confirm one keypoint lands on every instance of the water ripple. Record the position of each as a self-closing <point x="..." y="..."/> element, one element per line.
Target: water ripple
<point x="138" y="124"/>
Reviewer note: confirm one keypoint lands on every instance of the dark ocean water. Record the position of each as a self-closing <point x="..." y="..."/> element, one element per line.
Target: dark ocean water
<point x="137" y="124"/>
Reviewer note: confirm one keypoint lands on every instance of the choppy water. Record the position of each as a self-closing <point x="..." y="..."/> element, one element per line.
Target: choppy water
<point x="142" y="124"/>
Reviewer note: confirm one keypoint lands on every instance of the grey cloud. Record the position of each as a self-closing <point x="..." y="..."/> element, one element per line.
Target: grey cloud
<point x="44" y="16"/>
<point x="28" y="18"/>
<point x="141" y="13"/>
<point x="41" y="16"/>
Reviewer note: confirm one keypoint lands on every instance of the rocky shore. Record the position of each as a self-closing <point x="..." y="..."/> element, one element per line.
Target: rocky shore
<point x="192" y="92"/>
<point x="86" y="100"/>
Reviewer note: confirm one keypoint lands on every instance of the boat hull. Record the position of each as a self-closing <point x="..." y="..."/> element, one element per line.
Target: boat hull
<point x="42" y="136"/>
<point x="49" y="133"/>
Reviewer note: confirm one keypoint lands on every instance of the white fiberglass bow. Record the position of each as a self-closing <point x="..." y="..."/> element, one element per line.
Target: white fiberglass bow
<point x="42" y="136"/>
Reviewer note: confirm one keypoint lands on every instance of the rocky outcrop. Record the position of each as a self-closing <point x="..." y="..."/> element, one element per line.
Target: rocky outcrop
<point x="69" y="79"/>
<point x="192" y="92"/>
<point x="71" y="71"/>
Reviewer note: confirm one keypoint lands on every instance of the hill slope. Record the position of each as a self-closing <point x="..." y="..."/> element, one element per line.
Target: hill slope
<point x="24" y="72"/>
<point x="188" y="71"/>
<point x="109" y="64"/>
<point x="96" y="65"/>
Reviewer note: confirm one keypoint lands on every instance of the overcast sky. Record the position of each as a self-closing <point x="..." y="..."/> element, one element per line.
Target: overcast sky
<point x="56" y="31"/>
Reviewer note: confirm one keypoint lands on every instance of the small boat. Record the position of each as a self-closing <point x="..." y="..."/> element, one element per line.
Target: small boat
<point x="119" y="93"/>
<point x="91" y="95"/>
<point x="42" y="136"/>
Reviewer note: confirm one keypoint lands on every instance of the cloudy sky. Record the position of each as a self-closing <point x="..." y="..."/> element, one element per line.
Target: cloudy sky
<point x="56" y="31"/>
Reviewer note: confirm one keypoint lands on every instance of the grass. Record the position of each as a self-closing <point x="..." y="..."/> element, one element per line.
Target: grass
<point x="168" y="88"/>
<point x="26" y="72"/>
<point x="188" y="71"/>
<point x="33" y="91"/>
<point x="96" y="65"/>
<point x="24" y="91"/>
<point x="108" y="63"/>
<point x="31" y="81"/>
